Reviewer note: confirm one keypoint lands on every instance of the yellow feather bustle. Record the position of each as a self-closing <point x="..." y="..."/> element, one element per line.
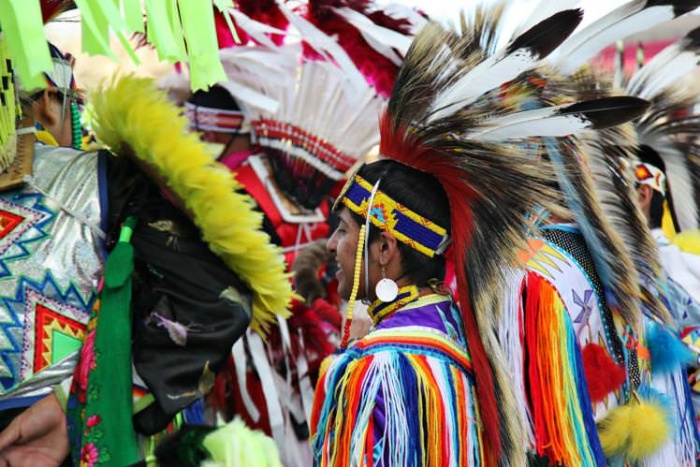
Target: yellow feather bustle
<point x="132" y="116"/>
<point x="635" y="431"/>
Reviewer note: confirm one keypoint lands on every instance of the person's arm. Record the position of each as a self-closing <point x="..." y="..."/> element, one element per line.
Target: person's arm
<point x="38" y="436"/>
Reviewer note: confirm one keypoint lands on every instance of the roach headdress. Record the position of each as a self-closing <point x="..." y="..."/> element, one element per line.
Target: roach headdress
<point x="475" y="117"/>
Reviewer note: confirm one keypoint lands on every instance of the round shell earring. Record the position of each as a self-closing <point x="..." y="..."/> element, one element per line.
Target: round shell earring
<point x="386" y="289"/>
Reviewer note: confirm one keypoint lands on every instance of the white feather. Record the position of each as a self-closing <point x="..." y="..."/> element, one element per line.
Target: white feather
<point x="541" y="10"/>
<point x="256" y="30"/>
<point x="324" y="45"/>
<point x="663" y="70"/>
<point x="381" y="39"/>
<point x="399" y="11"/>
<point x="545" y="122"/>
<point x="618" y="24"/>
<point x="246" y="95"/>
<point x="487" y="75"/>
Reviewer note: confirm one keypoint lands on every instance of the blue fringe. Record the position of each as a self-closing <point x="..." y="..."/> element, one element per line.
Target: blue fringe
<point x="410" y="389"/>
<point x="586" y="405"/>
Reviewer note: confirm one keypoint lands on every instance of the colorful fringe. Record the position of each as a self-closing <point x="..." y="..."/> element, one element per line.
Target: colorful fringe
<point x="561" y="409"/>
<point x="397" y="398"/>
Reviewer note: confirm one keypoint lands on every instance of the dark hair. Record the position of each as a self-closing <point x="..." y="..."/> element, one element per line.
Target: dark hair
<point x="216" y="97"/>
<point x="656" y="210"/>
<point x="649" y="156"/>
<point x="423" y="194"/>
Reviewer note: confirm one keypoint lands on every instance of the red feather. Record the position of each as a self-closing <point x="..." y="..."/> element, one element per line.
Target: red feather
<point x="263" y="11"/>
<point x="603" y="375"/>
<point x="52" y="8"/>
<point x="400" y="144"/>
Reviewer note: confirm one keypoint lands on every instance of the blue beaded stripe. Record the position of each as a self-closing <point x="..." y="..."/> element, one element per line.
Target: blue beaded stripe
<point x="421" y="234"/>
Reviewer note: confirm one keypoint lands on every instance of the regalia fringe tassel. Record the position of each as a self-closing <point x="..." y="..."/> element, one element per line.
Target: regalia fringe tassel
<point x="638" y="429"/>
<point x="405" y="389"/>
<point x="135" y="119"/>
<point x="562" y="410"/>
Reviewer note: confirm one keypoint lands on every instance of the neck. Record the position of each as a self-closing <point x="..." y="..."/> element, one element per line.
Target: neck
<point x="380" y="310"/>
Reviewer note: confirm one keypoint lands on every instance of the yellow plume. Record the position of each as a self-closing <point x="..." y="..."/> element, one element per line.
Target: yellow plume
<point x="635" y="431"/>
<point x="131" y="116"/>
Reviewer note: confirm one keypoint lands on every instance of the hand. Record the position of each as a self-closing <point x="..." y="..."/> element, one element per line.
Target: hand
<point x="38" y="436"/>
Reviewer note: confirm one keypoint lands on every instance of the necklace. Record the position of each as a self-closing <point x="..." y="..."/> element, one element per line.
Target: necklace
<point x="379" y="310"/>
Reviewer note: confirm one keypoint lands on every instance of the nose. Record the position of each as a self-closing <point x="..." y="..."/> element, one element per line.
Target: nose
<point x="332" y="243"/>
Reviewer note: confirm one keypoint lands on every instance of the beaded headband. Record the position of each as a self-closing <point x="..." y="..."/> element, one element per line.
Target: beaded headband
<point x="647" y="174"/>
<point x="225" y="121"/>
<point x="387" y="214"/>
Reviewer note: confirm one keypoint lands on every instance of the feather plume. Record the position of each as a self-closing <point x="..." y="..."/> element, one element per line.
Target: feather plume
<point x="630" y="18"/>
<point x="638" y="429"/>
<point x="521" y="55"/>
<point x="668" y="351"/>
<point x="276" y="88"/>
<point x="374" y="41"/>
<point x="565" y="119"/>
<point x="441" y="97"/>
<point x="129" y="116"/>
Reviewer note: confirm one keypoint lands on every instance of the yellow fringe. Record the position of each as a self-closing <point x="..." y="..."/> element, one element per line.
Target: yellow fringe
<point x="132" y="116"/>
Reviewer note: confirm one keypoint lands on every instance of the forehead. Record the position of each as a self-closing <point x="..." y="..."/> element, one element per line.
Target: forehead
<point x="346" y="217"/>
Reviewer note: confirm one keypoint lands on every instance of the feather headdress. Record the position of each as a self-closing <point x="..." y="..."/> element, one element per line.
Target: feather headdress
<point x="671" y="126"/>
<point x="316" y="119"/>
<point x="476" y="118"/>
<point x="375" y="41"/>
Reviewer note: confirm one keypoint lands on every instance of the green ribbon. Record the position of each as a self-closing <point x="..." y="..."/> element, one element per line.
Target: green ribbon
<point x="110" y="396"/>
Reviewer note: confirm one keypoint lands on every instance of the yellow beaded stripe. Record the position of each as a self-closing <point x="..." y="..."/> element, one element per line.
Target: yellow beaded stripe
<point x="379" y="310"/>
<point x="407" y="226"/>
<point x="355" y="288"/>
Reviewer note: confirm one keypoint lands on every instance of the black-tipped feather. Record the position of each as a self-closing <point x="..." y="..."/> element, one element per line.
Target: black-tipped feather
<point x="548" y="34"/>
<point x="610" y="111"/>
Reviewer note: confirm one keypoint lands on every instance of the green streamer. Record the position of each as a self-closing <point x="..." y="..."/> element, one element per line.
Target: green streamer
<point x="133" y="14"/>
<point x="163" y="30"/>
<point x="23" y="30"/>
<point x="197" y="18"/>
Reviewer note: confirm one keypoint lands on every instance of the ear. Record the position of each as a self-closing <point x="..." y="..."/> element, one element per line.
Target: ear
<point x="646" y="193"/>
<point x="44" y="110"/>
<point x="387" y="248"/>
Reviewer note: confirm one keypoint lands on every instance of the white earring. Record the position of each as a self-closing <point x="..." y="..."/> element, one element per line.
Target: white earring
<point x="386" y="289"/>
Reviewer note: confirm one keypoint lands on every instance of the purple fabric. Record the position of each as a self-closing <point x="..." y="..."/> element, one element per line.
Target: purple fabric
<point x="441" y="316"/>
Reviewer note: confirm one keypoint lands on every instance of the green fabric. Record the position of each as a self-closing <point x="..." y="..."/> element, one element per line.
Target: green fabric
<point x="111" y="377"/>
<point x="63" y="345"/>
